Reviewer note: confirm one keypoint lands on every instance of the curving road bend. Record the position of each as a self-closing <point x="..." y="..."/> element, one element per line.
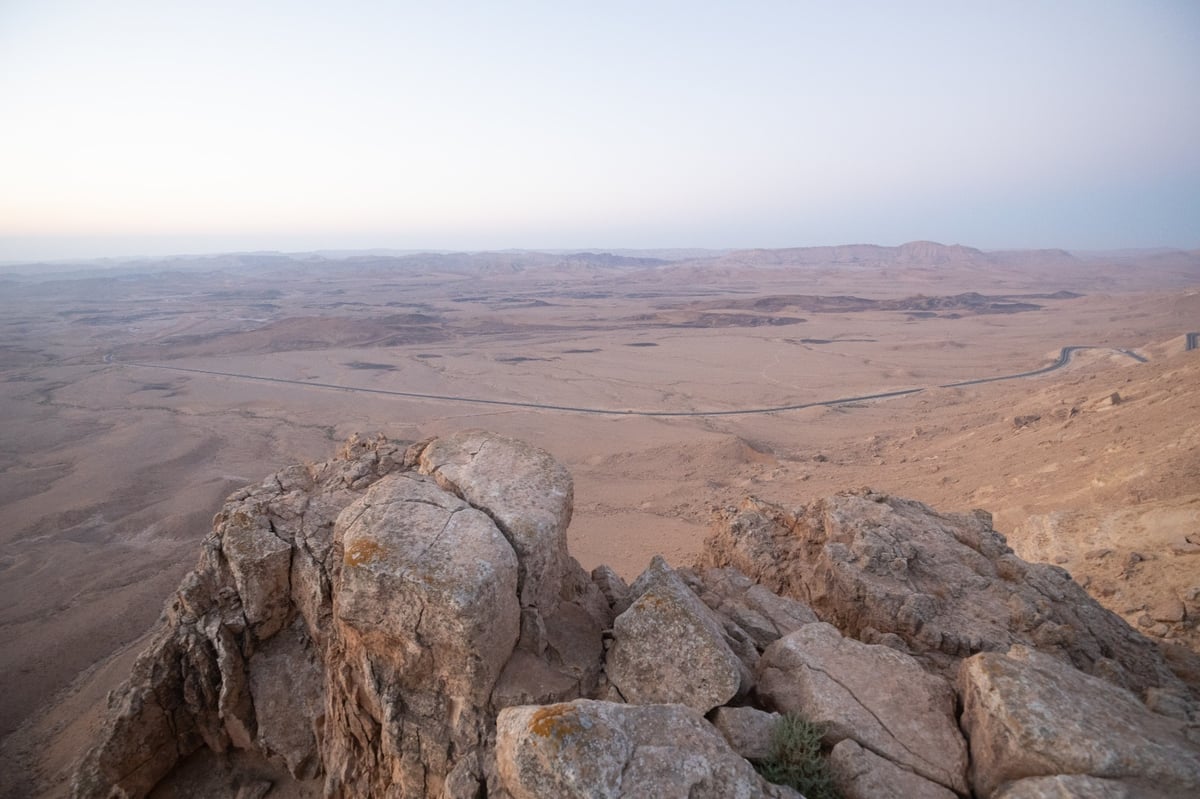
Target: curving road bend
<point x="1064" y="358"/>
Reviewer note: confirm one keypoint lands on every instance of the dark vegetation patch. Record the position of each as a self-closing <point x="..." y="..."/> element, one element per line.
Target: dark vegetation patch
<point x="426" y="355"/>
<point x="739" y="320"/>
<point x="797" y="759"/>
<point x="262" y="294"/>
<point x="642" y="344"/>
<point x="520" y="359"/>
<point x="580" y="351"/>
<point x="967" y="302"/>
<point x="15" y="357"/>
<point x="118" y="319"/>
<point x="382" y="367"/>
<point x="517" y="302"/>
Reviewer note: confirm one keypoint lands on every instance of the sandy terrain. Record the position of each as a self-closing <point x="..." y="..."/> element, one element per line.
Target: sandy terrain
<point x="124" y="426"/>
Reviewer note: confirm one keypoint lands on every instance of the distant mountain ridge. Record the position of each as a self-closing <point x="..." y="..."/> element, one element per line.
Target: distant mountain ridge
<point x="925" y="260"/>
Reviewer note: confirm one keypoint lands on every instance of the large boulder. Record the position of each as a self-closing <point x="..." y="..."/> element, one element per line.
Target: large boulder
<point x="669" y="647"/>
<point x="602" y="750"/>
<point x="941" y="586"/>
<point x="530" y="497"/>
<point x="878" y="697"/>
<point x="425" y="617"/>
<point x="1030" y="715"/>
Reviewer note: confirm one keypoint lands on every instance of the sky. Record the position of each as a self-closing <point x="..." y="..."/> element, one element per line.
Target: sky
<point x="162" y="127"/>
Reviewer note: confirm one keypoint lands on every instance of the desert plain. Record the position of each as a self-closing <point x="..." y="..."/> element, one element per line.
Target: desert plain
<point x="135" y="397"/>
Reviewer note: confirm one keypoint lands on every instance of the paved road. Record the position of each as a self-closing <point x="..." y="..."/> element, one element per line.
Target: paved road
<point x="1064" y="358"/>
<point x="1193" y="341"/>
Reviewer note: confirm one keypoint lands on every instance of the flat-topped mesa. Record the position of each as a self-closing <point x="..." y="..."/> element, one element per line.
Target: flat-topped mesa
<point x="406" y="622"/>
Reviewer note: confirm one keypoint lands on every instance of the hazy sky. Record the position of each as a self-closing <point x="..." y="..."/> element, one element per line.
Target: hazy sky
<point x="162" y="127"/>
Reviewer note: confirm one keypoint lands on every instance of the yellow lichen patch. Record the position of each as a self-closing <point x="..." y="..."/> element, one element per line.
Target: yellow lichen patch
<point x="651" y="601"/>
<point x="362" y="552"/>
<point x="556" y="722"/>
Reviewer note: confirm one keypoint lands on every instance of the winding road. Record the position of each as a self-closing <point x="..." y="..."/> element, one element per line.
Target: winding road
<point x="1064" y="358"/>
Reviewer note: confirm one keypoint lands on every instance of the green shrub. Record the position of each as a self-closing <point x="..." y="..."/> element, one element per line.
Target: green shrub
<point x="796" y="759"/>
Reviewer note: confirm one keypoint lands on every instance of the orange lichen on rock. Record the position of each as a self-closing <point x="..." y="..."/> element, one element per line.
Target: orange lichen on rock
<point x="362" y="552"/>
<point x="557" y="722"/>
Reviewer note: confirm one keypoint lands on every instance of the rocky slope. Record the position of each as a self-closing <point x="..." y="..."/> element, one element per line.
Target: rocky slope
<point x="407" y="622"/>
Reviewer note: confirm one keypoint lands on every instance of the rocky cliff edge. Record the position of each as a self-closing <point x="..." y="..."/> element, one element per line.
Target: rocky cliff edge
<point x="406" y="621"/>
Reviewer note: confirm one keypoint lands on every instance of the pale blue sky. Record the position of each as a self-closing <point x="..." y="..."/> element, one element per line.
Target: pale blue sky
<point x="162" y="127"/>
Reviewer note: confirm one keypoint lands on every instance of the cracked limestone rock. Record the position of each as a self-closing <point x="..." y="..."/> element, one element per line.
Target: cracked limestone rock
<point x="425" y="617"/>
<point x="530" y="497"/>
<point x="861" y="774"/>
<point x="1030" y="715"/>
<point x="602" y="750"/>
<point x="879" y="698"/>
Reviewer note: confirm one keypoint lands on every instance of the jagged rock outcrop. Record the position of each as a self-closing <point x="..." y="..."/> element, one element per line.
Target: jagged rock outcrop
<point x="353" y="618"/>
<point x="939" y="586"/>
<point x="268" y="558"/>
<point x="407" y="622"/>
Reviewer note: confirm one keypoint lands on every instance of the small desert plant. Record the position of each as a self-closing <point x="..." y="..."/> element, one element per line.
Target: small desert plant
<point x="796" y="760"/>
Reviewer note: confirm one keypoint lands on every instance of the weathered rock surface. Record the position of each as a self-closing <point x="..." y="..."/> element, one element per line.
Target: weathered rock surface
<point x="191" y="686"/>
<point x="406" y="622"/>
<point x="748" y="730"/>
<point x="1030" y="715"/>
<point x="595" y="750"/>
<point x="425" y="617"/>
<point x="1077" y="786"/>
<point x="760" y="615"/>
<point x="861" y="774"/>
<point x="352" y="618"/>
<point x="701" y="672"/>
<point x="942" y="586"/>
<point x="878" y="697"/>
<point x="530" y="497"/>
